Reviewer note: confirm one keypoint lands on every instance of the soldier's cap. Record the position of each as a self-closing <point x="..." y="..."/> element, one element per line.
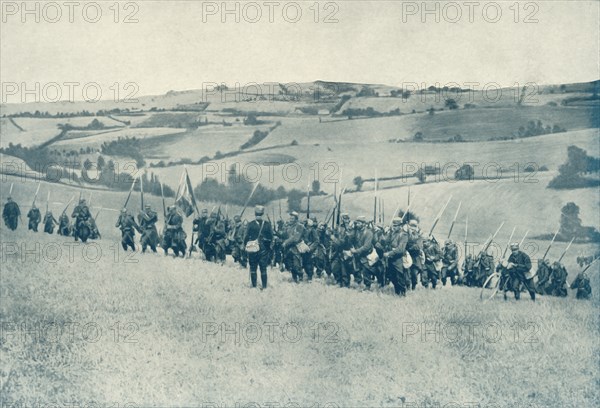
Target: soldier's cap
<point x="361" y="218"/>
<point x="294" y="214"/>
<point x="514" y="245"/>
<point x="413" y="223"/>
<point x="345" y="215"/>
<point x="147" y="206"/>
<point x="397" y="221"/>
<point x="204" y="211"/>
<point x="259" y="210"/>
<point x="449" y="242"/>
<point x="237" y="218"/>
<point x="309" y="222"/>
<point x="124" y="210"/>
<point x="321" y="225"/>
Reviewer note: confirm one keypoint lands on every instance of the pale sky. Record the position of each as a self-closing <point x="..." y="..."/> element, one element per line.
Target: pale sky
<point x="171" y="47"/>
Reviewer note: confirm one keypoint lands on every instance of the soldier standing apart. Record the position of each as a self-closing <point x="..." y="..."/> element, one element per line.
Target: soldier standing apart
<point x="518" y="266"/>
<point x="11" y="214"/>
<point x="294" y="232"/>
<point x="49" y="223"/>
<point x="35" y="217"/>
<point x="261" y="232"/>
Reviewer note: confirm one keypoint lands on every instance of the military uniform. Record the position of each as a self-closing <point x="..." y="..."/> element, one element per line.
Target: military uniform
<point x="35" y="217"/>
<point x="81" y="213"/>
<point x="174" y="236"/>
<point x="259" y="230"/>
<point x="543" y="277"/>
<point x="310" y="238"/>
<point x="126" y="223"/>
<point x="148" y="220"/>
<point x="450" y="263"/>
<point x="582" y="284"/>
<point x="49" y="223"/>
<point x="236" y="237"/>
<point x="558" y="280"/>
<point x="64" y="227"/>
<point x="415" y="249"/>
<point x="363" y="246"/>
<point x="341" y="264"/>
<point x="397" y="242"/>
<point x="294" y="233"/>
<point x="519" y="265"/>
<point x="321" y="254"/>
<point x="11" y="214"/>
<point x="433" y="266"/>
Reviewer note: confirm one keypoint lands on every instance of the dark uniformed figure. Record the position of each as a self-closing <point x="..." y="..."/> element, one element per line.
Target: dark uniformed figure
<point x="94" y="232"/>
<point x="11" y="213"/>
<point x="582" y="284"/>
<point x="310" y="238"/>
<point x="415" y="249"/>
<point x="433" y="263"/>
<point x="214" y="244"/>
<point x="362" y="247"/>
<point x="81" y="213"/>
<point x="544" y="271"/>
<point x="294" y="233"/>
<point x="236" y="237"/>
<point x="147" y="220"/>
<point x="278" y="238"/>
<point x="174" y="236"/>
<point x="558" y="280"/>
<point x="64" y="225"/>
<point x="321" y="256"/>
<point x="469" y="271"/>
<point x="450" y="263"/>
<point x="519" y="266"/>
<point x="49" y="223"/>
<point x="127" y="224"/>
<point x="199" y="227"/>
<point x="484" y="267"/>
<point x="261" y="233"/>
<point x="342" y="266"/>
<point x="35" y="217"/>
<point x="398" y="239"/>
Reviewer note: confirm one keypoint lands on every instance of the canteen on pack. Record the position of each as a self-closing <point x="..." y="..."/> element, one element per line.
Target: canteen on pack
<point x="407" y="260"/>
<point x="372" y="258"/>
<point x="302" y="247"/>
<point x="252" y="246"/>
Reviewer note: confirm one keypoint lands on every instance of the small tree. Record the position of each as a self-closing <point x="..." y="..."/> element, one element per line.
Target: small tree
<point x="451" y="104"/>
<point x="421" y="176"/>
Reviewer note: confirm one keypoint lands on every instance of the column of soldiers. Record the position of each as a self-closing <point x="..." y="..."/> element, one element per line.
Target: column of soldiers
<point x="356" y="251"/>
<point x="84" y="225"/>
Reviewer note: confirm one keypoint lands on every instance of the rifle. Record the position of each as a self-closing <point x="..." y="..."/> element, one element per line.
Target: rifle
<point x="68" y="204"/>
<point x="523" y="240"/>
<point x="163" y="200"/>
<point x="142" y="192"/>
<point x="280" y="217"/>
<point x="588" y="267"/>
<point x="97" y="214"/>
<point x="10" y="191"/>
<point x="551" y="242"/>
<point x="439" y="216"/>
<point x="248" y="199"/>
<point x="307" y="201"/>
<point x="454" y="220"/>
<point x="490" y="240"/>
<point x="36" y="194"/>
<point x="375" y="200"/>
<point x="466" y="233"/>
<point x="129" y="195"/>
<point x="47" y="201"/>
<point x="509" y="241"/>
<point x="90" y="199"/>
<point x="566" y="249"/>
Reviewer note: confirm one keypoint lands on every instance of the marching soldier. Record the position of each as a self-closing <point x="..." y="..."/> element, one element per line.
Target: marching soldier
<point x="174" y="236"/>
<point x="582" y="284"/>
<point x="35" y="217"/>
<point x="49" y="223"/>
<point x="11" y="213"/>
<point x="321" y="258"/>
<point x="433" y="259"/>
<point x="81" y="213"/>
<point x="260" y="235"/>
<point x="215" y="242"/>
<point x="415" y="250"/>
<point x="199" y="227"/>
<point x="94" y="232"/>
<point x="294" y="233"/>
<point x="278" y="239"/>
<point x="484" y="267"/>
<point x="363" y="246"/>
<point x="341" y="244"/>
<point x="393" y="258"/>
<point x="469" y="271"/>
<point x="518" y="266"/>
<point x="236" y="237"/>
<point x="544" y="271"/>
<point x="450" y="262"/>
<point x="126" y="223"/>
<point x="64" y="227"/>
<point x="148" y="219"/>
<point x="558" y="280"/>
<point x="311" y="238"/>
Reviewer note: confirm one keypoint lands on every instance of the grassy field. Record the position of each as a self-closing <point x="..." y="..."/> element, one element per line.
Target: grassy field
<point x="152" y="331"/>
